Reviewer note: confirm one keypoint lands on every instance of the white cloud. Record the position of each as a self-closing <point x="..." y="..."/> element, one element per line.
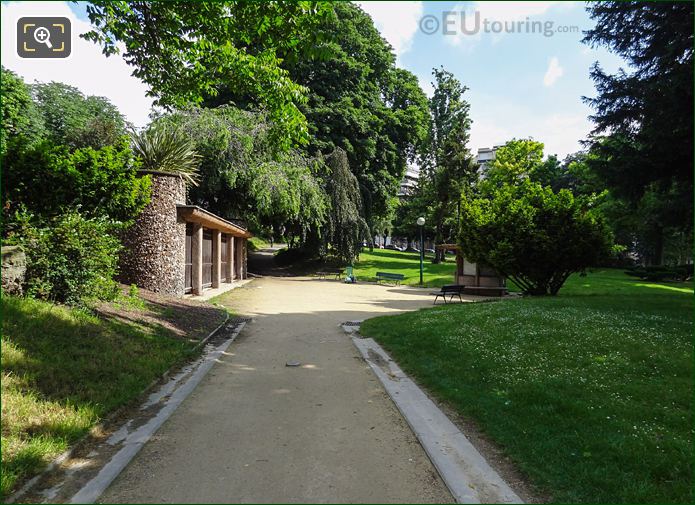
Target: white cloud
<point x="86" y="68"/>
<point x="553" y="73"/>
<point x="398" y="22"/>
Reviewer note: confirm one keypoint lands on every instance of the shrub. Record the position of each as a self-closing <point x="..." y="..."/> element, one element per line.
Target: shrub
<point x="532" y="235"/>
<point x="660" y="273"/>
<point x="70" y="258"/>
<point x="48" y="179"/>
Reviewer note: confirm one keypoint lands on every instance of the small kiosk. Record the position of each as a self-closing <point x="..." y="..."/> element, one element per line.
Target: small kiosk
<point x="477" y="278"/>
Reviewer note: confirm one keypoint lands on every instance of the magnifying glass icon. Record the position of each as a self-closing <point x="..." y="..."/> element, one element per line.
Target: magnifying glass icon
<point x="43" y="36"/>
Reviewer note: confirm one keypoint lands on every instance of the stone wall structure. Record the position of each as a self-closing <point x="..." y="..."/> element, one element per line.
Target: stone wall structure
<point x="154" y="246"/>
<point x="175" y="248"/>
<point x="14" y="267"/>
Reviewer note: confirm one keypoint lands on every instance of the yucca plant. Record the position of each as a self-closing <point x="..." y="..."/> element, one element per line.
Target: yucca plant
<point x="169" y="150"/>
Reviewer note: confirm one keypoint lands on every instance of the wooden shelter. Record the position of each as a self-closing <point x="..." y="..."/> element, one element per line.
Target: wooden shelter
<point x="474" y="275"/>
<point x="215" y="249"/>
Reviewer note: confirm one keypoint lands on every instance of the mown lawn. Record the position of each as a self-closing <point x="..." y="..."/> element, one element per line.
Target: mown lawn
<point x="408" y="264"/>
<point x="589" y="392"/>
<point x="64" y="369"/>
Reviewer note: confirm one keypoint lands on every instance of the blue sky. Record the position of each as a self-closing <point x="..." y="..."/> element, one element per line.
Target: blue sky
<point x="520" y="84"/>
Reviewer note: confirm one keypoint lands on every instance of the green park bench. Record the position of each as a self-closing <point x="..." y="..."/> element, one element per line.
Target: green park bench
<point x="385" y="276"/>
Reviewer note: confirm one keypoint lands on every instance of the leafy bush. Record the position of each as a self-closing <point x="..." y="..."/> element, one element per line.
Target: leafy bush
<point x="70" y="258"/>
<point x="47" y="179"/>
<point x="662" y="273"/>
<point x="532" y="235"/>
<point x="21" y="122"/>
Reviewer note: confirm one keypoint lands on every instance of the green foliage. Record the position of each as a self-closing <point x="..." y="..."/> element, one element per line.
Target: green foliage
<point x="447" y="167"/>
<point x="48" y="179"/>
<point x="21" y="123"/>
<point x="516" y="160"/>
<point x="643" y="137"/>
<point x="346" y="228"/>
<point x="75" y="120"/>
<point x="244" y="175"/>
<point x="532" y="235"/>
<point x="360" y="102"/>
<point x="169" y="150"/>
<point x="70" y="258"/>
<point x="186" y="51"/>
<point x="662" y="273"/>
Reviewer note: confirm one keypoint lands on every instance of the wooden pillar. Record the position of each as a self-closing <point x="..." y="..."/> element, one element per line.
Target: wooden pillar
<point x="216" y="258"/>
<point x="197" y="259"/>
<point x="239" y="246"/>
<point x="229" y="265"/>
<point x="232" y="257"/>
<point x="245" y="257"/>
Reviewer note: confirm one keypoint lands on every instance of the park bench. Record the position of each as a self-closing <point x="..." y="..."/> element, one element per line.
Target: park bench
<point x="450" y="290"/>
<point x="486" y="290"/>
<point x="385" y="276"/>
<point x="335" y="272"/>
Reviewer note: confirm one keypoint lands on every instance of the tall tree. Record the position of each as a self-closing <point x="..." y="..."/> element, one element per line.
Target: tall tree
<point x="187" y="50"/>
<point x="360" y="102"/>
<point x="643" y="138"/>
<point x="448" y="164"/>
<point x="22" y="125"/>
<point x="75" y="120"/>
<point x="346" y="228"/>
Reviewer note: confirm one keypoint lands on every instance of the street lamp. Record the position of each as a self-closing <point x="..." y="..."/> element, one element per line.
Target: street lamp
<point x="421" y="223"/>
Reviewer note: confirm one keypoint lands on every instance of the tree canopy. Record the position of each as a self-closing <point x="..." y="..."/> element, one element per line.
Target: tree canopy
<point x="76" y="120"/>
<point x="642" y="142"/>
<point x="360" y="102"/>
<point x="186" y="51"/>
<point x="532" y="235"/>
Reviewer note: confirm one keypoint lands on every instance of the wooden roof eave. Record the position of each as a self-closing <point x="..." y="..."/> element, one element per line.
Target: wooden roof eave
<point x="195" y="214"/>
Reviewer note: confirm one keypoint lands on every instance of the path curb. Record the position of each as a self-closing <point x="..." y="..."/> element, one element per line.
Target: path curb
<point x="58" y="460"/>
<point x="463" y="469"/>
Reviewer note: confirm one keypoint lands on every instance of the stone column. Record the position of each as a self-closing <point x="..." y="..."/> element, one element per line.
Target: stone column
<point x="216" y="258"/>
<point x="197" y="259"/>
<point x="229" y="266"/>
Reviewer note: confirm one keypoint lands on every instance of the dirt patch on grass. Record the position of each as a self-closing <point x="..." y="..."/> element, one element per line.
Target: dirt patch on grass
<point x="185" y="318"/>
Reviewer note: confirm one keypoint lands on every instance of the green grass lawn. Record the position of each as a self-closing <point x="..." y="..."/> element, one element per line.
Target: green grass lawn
<point x="64" y="369"/>
<point x="408" y="264"/>
<point x="589" y="392"/>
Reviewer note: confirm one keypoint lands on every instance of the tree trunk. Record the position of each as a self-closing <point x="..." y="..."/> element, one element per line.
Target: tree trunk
<point x="658" y="257"/>
<point x="439" y="235"/>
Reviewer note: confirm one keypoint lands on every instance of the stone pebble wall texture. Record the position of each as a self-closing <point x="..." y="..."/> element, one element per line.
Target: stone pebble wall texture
<point x="155" y="246"/>
<point x="14" y="267"/>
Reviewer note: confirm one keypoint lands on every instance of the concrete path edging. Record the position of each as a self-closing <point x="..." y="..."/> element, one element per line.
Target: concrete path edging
<point x="91" y="491"/>
<point x="464" y="470"/>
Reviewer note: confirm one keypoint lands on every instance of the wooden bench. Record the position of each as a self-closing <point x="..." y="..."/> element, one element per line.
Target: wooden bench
<point x="336" y="272"/>
<point x="451" y="290"/>
<point x="486" y="290"/>
<point x="396" y="278"/>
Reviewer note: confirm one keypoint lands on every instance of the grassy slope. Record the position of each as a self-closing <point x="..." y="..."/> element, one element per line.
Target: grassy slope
<point x="408" y="264"/>
<point x="63" y="370"/>
<point x="589" y="392"/>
